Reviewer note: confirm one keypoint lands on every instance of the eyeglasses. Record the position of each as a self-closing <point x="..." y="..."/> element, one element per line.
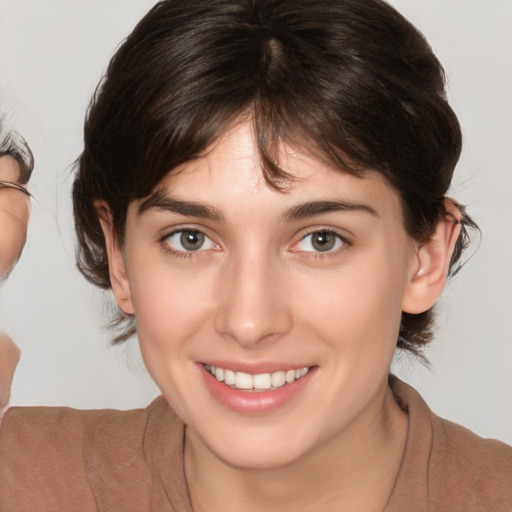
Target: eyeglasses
<point x="21" y="188"/>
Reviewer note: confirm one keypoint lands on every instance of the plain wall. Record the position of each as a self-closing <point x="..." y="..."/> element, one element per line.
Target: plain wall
<point x="52" y="54"/>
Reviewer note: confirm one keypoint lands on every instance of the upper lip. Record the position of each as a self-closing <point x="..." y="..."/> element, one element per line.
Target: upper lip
<point x="256" y="368"/>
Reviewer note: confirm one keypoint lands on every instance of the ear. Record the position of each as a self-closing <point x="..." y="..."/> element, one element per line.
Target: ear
<point x="429" y="277"/>
<point x="116" y="264"/>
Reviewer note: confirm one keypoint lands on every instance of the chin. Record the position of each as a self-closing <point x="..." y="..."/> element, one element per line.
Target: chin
<point x="255" y="448"/>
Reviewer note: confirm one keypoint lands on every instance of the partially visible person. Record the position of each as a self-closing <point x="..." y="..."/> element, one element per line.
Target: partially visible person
<point x="9" y="357"/>
<point x="16" y="165"/>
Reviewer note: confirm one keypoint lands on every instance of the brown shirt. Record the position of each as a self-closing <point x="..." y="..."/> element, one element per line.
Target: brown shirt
<point x="59" y="459"/>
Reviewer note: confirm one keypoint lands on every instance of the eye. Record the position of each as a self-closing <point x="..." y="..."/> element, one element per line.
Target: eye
<point x="189" y="240"/>
<point x="321" y="241"/>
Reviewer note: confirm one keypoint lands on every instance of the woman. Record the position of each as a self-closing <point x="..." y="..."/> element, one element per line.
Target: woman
<point x="263" y="186"/>
<point x="15" y="168"/>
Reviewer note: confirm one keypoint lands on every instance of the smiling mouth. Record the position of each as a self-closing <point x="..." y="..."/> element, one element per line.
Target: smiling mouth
<point x="259" y="382"/>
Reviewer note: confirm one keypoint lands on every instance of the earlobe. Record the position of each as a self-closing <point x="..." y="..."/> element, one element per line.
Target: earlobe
<point x="117" y="267"/>
<point x="433" y="261"/>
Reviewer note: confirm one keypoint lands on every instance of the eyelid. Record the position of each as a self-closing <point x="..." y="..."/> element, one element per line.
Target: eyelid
<point x="346" y="241"/>
<point x="168" y="231"/>
<point x="180" y="229"/>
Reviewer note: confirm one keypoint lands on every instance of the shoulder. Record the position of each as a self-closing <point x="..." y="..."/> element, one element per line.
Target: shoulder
<point x="482" y="468"/>
<point x="448" y="467"/>
<point x="56" y="431"/>
<point x="61" y="456"/>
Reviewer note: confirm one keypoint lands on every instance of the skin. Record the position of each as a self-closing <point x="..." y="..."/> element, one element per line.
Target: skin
<point x="257" y="292"/>
<point x="14" y="214"/>
<point x="9" y="357"/>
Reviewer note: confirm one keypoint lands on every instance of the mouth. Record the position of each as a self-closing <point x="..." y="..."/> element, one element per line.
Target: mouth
<point x="256" y="382"/>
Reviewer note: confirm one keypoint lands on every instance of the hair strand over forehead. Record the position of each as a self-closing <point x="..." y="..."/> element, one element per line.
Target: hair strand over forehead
<point x="348" y="81"/>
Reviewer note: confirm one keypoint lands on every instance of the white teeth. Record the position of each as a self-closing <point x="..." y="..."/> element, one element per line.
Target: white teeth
<point x="278" y="379"/>
<point x="243" y="380"/>
<point x="261" y="381"/>
<point x="229" y="377"/>
<point x="219" y="374"/>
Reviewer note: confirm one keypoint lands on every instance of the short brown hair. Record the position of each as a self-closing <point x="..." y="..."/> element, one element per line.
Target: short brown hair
<point x="351" y="81"/>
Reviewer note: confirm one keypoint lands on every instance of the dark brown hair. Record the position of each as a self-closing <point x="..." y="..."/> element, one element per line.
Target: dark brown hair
<point x="350" y="81"/>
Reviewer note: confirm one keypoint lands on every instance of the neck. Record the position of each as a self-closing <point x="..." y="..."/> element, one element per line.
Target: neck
<point x="336" y="475"/>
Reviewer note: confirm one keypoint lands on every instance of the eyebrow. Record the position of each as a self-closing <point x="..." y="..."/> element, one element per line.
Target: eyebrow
<point x="160" y="201"/>
<point x="317" y="208"/>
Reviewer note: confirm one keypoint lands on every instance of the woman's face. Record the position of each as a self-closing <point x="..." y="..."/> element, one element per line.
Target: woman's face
<point x="226" y="275"/>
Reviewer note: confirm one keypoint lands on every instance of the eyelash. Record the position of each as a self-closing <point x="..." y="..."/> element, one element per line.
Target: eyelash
<point x="346" y="244"/>
<point x="184" y="253"/>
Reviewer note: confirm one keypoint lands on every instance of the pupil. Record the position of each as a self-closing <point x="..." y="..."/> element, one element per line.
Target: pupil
<point x="192" y="240"/>
<point x="323" y="241"/>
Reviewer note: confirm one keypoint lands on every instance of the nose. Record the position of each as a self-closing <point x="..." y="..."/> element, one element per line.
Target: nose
<point x="252" y="303"/>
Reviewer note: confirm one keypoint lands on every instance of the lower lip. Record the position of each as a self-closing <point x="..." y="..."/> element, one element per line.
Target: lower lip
<point x="253" y="402"/>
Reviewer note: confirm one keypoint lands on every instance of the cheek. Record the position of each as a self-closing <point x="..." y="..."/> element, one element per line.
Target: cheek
<point x="357" y="308"/>
<point x="170" y="306"/>
<point x="170" y="314"/>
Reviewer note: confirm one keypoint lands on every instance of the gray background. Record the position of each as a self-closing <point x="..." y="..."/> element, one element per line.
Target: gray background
<point x="52" y="54"/>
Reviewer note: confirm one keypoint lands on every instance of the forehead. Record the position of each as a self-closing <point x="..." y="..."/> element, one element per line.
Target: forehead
<point x="232" y="167"/>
